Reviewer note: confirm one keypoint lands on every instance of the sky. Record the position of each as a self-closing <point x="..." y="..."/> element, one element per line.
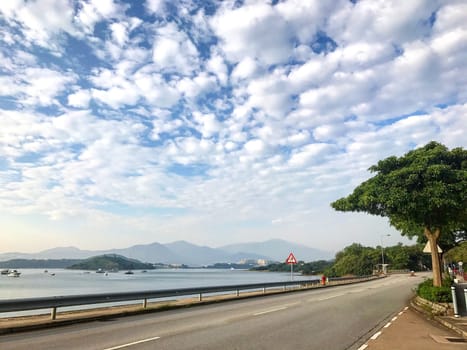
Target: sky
<point x="216" y="122"/>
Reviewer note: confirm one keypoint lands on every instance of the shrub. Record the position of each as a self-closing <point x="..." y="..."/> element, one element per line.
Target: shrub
<point x="441" y="294"/>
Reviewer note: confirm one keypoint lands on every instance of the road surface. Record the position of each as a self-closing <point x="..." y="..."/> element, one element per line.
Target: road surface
<point x="342" y="317"/>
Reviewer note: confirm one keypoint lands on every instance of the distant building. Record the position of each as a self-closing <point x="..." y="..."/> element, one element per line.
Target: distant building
<point x="259" y="262"/>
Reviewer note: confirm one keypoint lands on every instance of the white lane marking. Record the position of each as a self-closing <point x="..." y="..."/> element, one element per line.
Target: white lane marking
<point x="394" y="318"/>
<point x="405" y="308"/>
<point x="269" y="311"/>
<point x="363" y="347"/>
<point x="387" y="325"/>
<point x="133" y="343"/>
<point x="331" y="297"/>
<point x="400" y="313"/>
<point x="376" y="335"/>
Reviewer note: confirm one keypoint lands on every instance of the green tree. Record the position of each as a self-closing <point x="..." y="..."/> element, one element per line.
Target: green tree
<point x="355" y="260"/>
<point x="423" y="192"/>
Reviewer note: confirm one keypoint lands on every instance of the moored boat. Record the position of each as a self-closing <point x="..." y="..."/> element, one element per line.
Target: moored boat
<point x="14" y="273"/>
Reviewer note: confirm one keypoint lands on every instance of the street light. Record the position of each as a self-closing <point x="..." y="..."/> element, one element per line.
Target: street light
<point x="383" y="269"/>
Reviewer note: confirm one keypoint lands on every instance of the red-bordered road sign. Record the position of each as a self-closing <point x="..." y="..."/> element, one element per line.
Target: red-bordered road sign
<point x="291" y="259"/>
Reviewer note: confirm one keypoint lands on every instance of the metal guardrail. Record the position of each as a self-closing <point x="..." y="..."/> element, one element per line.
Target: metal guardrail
<point x="54" y="302"/>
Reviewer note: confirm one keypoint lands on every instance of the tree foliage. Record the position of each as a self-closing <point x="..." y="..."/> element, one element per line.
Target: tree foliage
<point x="423" y="192"/>
<point x="359" y="260"/>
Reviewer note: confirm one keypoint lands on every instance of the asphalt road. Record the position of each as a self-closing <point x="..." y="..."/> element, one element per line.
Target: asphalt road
<point x="342" y="317"/>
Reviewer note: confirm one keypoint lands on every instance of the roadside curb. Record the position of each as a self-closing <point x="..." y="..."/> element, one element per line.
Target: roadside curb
<point x="443" y="320"/>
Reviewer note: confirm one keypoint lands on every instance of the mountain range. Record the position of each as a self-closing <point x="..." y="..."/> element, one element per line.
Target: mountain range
<point x="182" y="252"/>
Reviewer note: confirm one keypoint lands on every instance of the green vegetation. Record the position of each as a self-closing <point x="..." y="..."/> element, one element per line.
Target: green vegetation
<point x="310" y="268"/>
<point x="111" y="262"/>
<point x="457" y="254"/>
<point x="441" y="294"/>
<point x="423" y="193"/>
<point x="359" y="260"/>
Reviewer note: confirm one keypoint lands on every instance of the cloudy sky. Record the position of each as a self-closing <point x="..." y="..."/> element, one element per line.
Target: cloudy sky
<point x="216" y="122"/>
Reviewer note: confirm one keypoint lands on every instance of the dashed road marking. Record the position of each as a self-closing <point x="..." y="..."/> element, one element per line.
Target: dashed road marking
<point x="363" y="347"/>
<point x="387" y="325"/>
<point x="376" y="335"/>
<point x="132" y="343"/>
<point x="331" y="297"/>
<point x="269" y="311"/>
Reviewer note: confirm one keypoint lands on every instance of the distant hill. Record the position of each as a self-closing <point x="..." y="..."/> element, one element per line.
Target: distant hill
<point x="182" y="252"/>
<point x="38" y="263"/>
<point x="279" y="250"/>
<point x="111" y="262"/>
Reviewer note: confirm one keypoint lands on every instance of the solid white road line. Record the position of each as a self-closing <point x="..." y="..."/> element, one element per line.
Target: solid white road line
<point x="133" y="343"/>
<point x="269" y="311"/>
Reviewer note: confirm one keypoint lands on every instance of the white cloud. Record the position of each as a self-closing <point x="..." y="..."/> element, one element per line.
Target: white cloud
<point x="40" y="20"/>
<point x="42" y="85"/>
<point x="246" y="31"/>
<point x="255" y="147"/>
<point x="241" y="113"/>
<point x="79" y="98"/>
<point x="209" y="125"/>
<point x="173" y="50"/>
<point x="246" y="68"/>
<point x="311" y="153"/>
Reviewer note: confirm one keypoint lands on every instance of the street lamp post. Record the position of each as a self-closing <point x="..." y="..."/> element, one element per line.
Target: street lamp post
<point x="383" y="268"/>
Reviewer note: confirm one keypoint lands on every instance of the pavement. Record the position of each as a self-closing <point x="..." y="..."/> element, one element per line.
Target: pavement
<point x="414" y="329"/>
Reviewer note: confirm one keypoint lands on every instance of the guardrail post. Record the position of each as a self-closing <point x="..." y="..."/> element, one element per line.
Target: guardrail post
<point x="200" y="297"/>
<point x="145" y="303"/>
<point x="454" y="301"/>
<point x="264" y="290"/>
<point x="238" y="292"/>
<point x="53" y="313"/>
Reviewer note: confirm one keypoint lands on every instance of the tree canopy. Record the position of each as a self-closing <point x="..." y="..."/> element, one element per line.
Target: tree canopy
<point x="423" y="192"/>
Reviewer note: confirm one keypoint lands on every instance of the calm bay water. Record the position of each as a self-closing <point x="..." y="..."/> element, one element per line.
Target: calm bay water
<point x="37" y="283"/>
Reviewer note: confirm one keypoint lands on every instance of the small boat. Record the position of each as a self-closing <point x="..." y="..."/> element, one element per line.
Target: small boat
<point x="129" y="272"/>
<point x="100" y="271"/>
<point x="14" y="273"/>
<point x="5" y="272"/>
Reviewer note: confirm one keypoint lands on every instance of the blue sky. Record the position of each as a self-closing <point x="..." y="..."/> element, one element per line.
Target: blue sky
<point x="216" y="122"/>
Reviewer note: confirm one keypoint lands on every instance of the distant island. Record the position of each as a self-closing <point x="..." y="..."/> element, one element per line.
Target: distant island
<point x="111" y="262"/>
<point x="38" y="263"/>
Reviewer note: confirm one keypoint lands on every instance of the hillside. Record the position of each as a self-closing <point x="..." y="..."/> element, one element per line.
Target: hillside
<point x="38" y="263"/>
<point x="111" y="262"/>
<point x="278" y="249"/>
<point x="182" y="252"/>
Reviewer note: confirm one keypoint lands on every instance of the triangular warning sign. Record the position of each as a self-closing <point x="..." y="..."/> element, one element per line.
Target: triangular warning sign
<point x="291" y="259"/>
<point x="427" y="248"/>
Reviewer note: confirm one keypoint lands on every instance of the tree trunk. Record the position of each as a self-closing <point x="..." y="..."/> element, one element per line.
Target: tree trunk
<point x="433" y="239"/>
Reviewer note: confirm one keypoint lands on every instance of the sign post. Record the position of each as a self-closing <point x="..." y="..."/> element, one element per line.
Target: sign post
<point x="291" y="261"/>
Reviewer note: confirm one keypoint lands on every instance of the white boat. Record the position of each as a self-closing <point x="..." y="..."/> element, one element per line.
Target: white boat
<point x="5" y="272"/>
<point x="14" y="273"/>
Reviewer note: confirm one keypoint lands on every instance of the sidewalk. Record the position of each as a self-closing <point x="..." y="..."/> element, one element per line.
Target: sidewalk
<point x="413" y="330"/>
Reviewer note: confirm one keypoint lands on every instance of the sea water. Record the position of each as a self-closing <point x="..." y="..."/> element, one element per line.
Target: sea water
<point x="35" y="283"/>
